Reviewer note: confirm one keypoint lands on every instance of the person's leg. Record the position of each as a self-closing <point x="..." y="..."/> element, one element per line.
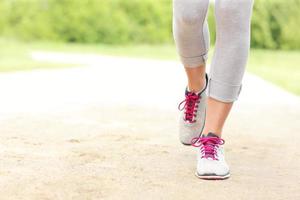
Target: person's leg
<point x="196" y="78"/>
<point x="216" y="114"/>
<point x="229" y="60"/>
<point x="225" y="82"/>
<point x="191" y="36"/>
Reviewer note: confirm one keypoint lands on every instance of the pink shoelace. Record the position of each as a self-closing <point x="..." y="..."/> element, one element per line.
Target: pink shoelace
<point x="208" y="146"/>
<point x="191" y="105"/>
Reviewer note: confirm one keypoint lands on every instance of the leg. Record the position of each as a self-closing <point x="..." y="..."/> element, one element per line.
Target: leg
<point x="227" y="70"/>
<point x="229" y="60"/>
<point x="190" y="31"/>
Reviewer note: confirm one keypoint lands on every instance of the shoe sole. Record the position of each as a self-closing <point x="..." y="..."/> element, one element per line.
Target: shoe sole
<point x="213" y="177"/>
<point x="187" y="144"/>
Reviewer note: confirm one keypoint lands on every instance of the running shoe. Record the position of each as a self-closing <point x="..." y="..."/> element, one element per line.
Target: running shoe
<point x="192" y="114"/>
<point x="211" y="162"/>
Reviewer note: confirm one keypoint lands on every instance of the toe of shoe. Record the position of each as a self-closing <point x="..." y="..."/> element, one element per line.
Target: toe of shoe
<point x="186" y="134"/>
<point x="189" y="131"/>
<point x="212" y="168"/>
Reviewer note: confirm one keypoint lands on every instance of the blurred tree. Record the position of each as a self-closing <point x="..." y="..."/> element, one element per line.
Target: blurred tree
<point x="274" y="22"/>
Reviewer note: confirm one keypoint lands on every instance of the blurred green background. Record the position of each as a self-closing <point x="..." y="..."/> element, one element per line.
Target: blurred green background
<point x="140" y="28"/>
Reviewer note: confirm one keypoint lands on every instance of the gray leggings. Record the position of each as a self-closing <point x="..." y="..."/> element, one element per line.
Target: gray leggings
<point x="191" y="36"/>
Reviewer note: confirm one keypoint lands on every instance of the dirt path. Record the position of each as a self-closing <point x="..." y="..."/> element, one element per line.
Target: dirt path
<point x="64" y="135"/>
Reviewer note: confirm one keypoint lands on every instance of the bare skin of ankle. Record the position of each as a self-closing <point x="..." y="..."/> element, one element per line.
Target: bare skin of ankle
<point x="196" y="78"/>
<point x="216" y="111"/>
<point x="216" y="115"/>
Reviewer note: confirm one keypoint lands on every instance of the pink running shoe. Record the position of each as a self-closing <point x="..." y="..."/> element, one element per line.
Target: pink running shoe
<point x="211" y="162"/>
<point x="192" y="115"/>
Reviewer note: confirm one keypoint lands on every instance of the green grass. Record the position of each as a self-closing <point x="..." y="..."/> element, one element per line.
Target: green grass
<point x="15" y="56"/>
<point x="163" y="51"/>
<point x="280" y="67"/>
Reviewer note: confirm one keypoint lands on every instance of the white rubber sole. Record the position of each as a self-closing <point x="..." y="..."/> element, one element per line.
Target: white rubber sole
<point x="212" y="177"/>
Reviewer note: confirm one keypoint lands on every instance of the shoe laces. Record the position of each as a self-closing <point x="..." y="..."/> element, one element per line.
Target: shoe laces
<point x="190" y="104"/>
<point x="208" y="146"/>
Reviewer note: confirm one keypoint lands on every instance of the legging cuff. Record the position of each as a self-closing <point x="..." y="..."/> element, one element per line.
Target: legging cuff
<point x="224" y="92"/>
<point x="192" y="62"/>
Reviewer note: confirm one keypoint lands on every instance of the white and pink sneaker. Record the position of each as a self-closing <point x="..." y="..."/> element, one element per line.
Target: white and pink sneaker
<point x="192" y="115"/>
<point x="211" y="162"/>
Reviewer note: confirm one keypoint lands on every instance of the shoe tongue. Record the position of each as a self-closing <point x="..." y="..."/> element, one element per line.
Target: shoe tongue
<point x="211" y="135"/>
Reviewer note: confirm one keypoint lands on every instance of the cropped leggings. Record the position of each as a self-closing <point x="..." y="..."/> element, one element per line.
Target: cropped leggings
<point x="191" y="36"/>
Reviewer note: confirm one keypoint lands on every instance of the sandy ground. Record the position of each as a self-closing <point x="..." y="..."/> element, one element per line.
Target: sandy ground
<point x="78" y="134"/>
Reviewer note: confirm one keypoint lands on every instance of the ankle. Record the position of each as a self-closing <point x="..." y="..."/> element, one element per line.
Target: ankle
<point x="217" y="132"/>
<point x="196" y="86"/>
